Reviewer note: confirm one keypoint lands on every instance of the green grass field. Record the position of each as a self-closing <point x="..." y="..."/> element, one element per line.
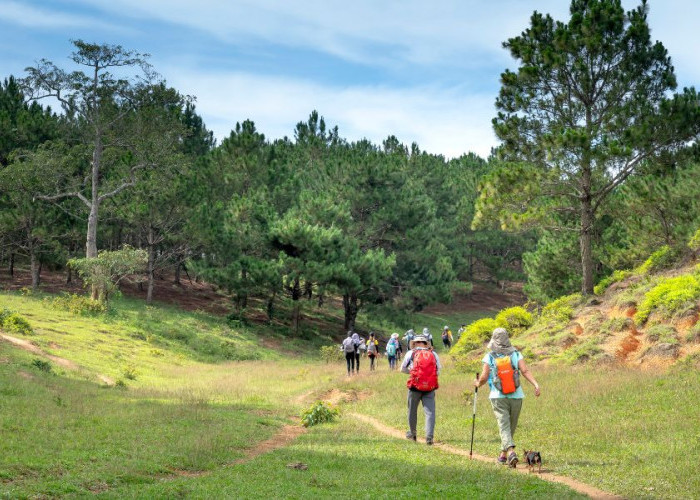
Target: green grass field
<point x="175" y="428"/>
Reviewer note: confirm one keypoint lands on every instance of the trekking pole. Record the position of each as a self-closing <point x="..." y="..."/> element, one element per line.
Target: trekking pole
<point x="476" y="391"/>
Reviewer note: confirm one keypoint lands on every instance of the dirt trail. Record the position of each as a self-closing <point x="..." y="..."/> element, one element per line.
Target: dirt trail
<point x="547" y="476"/>
<point x="281" y="439"/>
<point x="65" y="363"/>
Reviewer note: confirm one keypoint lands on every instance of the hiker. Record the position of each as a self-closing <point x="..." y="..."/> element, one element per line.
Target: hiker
<point x="357" y="342"/>
<point x="392" y="350"/>
<point x="372" y="350"/>
<point x="503" y="365"/>
<point x="348" y="347"/>
<point x="446" y="337"/>
<point x="461" y="330"/>
<point x="423" y="364"/>
<point x="428" y="335"/>
<point x="408" y="337"/>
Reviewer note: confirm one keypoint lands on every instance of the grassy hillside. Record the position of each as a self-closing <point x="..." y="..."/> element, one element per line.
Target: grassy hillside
<point x="142" y="402"/>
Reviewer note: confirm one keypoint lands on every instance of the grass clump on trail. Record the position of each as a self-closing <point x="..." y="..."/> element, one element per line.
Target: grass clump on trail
<point x="319" y="413"/>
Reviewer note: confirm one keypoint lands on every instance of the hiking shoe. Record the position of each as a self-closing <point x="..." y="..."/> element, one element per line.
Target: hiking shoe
<point x="502" y="459"/>
<point x="410" y="436"/>
<point x="429" y="441"/>
<point x="512" y="459"/>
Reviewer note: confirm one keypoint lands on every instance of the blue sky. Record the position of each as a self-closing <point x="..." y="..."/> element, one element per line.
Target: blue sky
<point x="425" y="71"/>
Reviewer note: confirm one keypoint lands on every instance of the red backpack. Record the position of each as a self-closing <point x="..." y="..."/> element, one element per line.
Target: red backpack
<point x="423" y="372"/>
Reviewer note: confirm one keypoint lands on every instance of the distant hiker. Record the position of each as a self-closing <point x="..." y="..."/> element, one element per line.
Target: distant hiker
<point x="446" y="337"/>
<point x="372" y="350"/>
<point x="392" y="350"/>
<point x="461" y="330"/>
<point x="428" y="335"/>
<point x="503" y="365"/>
<point x="348" y="347"/>
<point x="357" y="342"/>
<point x="423" y="364"/>
<point x="408" y="337"/>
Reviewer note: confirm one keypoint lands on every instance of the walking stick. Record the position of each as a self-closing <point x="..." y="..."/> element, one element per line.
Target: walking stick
<point x="476" y="391"/>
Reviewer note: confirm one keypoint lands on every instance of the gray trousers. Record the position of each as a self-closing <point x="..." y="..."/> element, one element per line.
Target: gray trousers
<point x="428" y="399"/>
<point x="507" y="411"/>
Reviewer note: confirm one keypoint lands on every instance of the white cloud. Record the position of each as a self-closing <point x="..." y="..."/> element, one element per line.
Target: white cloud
<point x="32" y="17"/>
<point x="441" y="121"/>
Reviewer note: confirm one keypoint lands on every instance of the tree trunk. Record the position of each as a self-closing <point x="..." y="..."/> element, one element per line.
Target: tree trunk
<point x="151" y="266"/>
<point x="69" y="275"/>
<point x="351" y="309"/>
<point x="35" y="269"/>
<point x="178" y="267"/>
<point x="12" y="264"/>
<point x="586" y="241"/>
<point x="271" y="306"/>
<point x="309" y="290"/>
<point x="296" y="309"/>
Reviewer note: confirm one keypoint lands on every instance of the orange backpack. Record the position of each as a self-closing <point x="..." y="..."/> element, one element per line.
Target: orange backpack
<point x="506" y="378"/>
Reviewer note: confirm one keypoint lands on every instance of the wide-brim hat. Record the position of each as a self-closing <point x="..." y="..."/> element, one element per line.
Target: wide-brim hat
<point x="418" y="338"/>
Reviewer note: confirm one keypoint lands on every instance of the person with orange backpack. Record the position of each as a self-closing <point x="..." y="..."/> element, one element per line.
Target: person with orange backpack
<point x="503" y="365"/>
<point x="423" y="366"/>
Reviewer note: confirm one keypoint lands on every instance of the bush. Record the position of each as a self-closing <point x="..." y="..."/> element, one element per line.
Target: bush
<point x="130" y="372"/>
<point x="104" y="272"/>
<point x="514" y="319"/>
<point x="615" y="277"/>
<point x="331" y="353"/>
<point x="76" y="304"/>
<point x="475" y="335"/>
<point x="663" y="258"/>
<point x="562" y="309"/>
<point x="15" y="322"/>
<point x="669" y="295"/>
<point x="694" y="243"/>
<point x="319" y="413"/>
<point x="4" y="313"/>
<point x="585" y="351"/>
<point x="42" y="365"/>
<point x="662" y="333"/>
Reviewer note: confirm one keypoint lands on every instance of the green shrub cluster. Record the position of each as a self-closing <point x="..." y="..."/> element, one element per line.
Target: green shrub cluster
<point x="319" y="413"/>
<point x="663" y="258"/>
<point x="76" y="304"/>
<point x="42" y="365"/>
<point x="475" y="335"/>
<point x="694" y="243"/>
<point x="515" y="319"/>
<point x="331" y="353"/>
<point x="562" y="309"/>
<point x="15" y="322"/>
<point x="662" y="333"/>
<point x="669" y="295"/>
<point x="583" y="351"/>
<point x="615" y="277"/>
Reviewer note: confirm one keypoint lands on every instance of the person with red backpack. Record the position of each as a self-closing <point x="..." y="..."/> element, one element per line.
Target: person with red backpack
<point x="503" y="365"/>
<point x="423" y="366"/>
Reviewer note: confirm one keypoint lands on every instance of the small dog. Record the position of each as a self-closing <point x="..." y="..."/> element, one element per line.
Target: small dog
<point x="533" y="458"/>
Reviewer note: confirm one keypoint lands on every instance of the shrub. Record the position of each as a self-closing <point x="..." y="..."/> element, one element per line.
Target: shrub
<point x="104" y="272"/>
<point x="693" y="334"/>
<point x="15" y="322"/>
<point x="662" y="333"/>
<point x="514" y="319"/>
<point x="4" y="313"/>
<point x="76" y="304"/>
<point x="694" y="243"/>
<point x="331" y="353"/>
<point x="562" y="309"/>
<point x="663" y="258"/>
<point x="615" y="324"/>
<point x="475" y="335"/>
<point x="669" y="295"/>
<point x="319" y="413"/>
<point x="130" y="372"/>
<point x="42" y="365"/>
<point x="582" y="352"/>
<point x="615" y="277"/>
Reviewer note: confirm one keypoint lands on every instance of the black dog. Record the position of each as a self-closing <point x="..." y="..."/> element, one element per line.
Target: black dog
<point x="533" y="458"/>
